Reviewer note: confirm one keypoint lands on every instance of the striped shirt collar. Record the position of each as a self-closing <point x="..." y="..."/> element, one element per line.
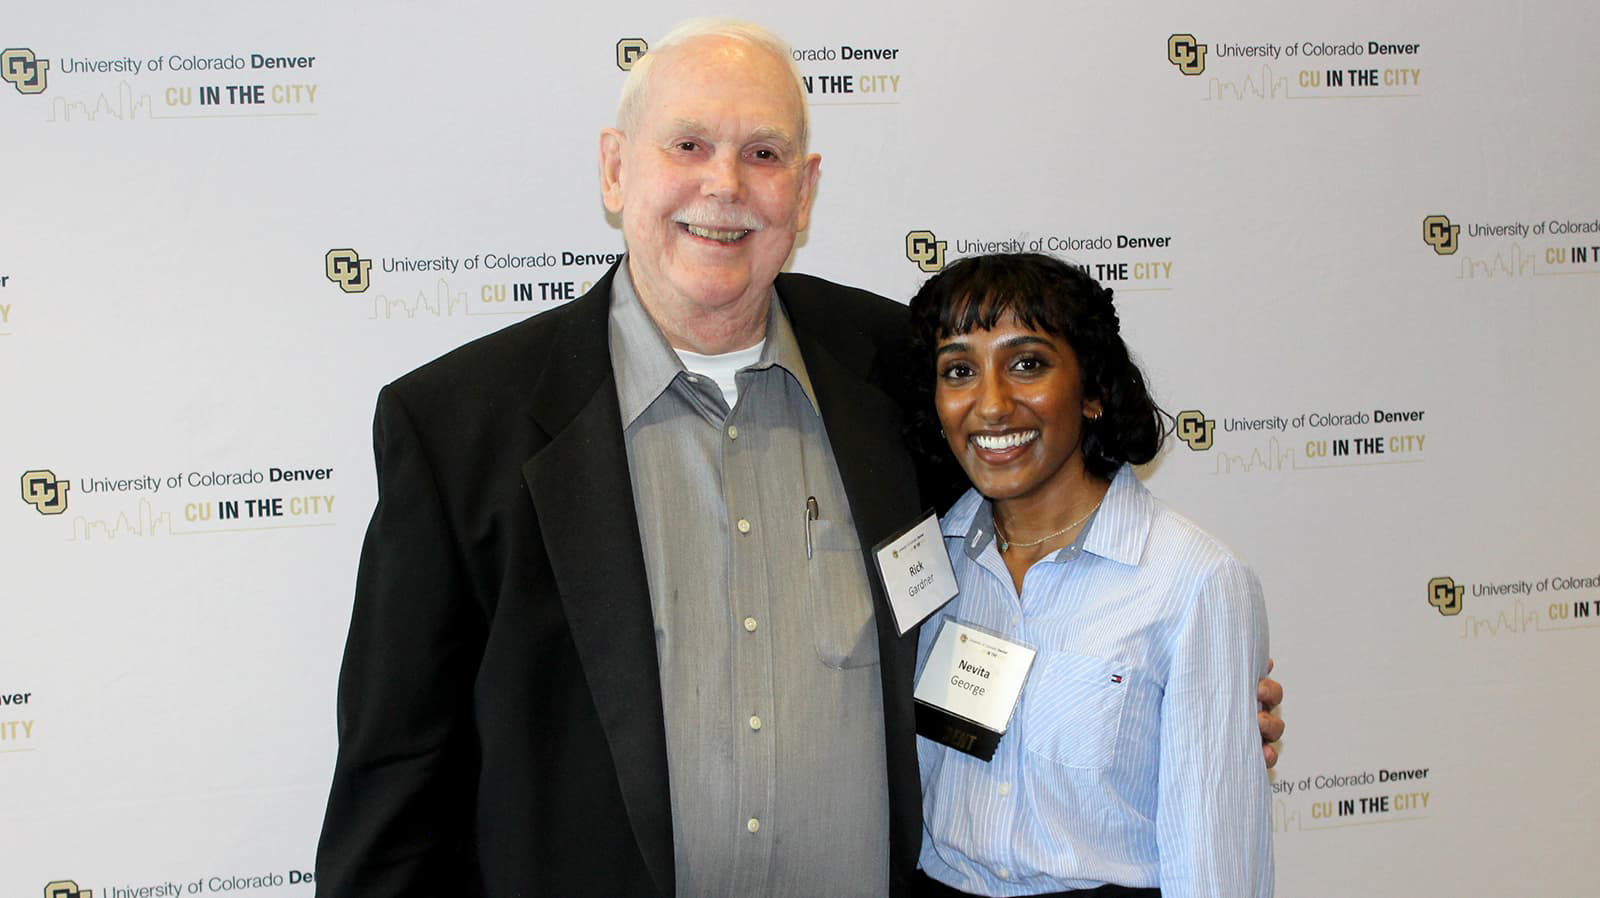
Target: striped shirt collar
<point x="1117" y="531"/>
<point x="645" y="365"/>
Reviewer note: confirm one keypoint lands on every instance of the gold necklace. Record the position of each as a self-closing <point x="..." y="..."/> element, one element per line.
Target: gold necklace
<point x="1006" y="543"/>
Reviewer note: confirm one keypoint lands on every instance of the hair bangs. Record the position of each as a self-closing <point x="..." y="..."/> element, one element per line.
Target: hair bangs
<point x="981" y="293"/>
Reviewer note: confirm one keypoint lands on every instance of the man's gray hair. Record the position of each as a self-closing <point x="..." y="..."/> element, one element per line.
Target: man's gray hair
<point x="636" y="88"/>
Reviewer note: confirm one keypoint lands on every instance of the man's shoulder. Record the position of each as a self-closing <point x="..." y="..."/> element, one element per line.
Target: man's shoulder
<point x="825" y="300"/>
<point x="509" y="359"/>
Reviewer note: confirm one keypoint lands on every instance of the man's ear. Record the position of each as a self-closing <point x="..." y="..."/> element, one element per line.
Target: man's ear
<point x="611" y="145"/>
<point x="810" y="171"/>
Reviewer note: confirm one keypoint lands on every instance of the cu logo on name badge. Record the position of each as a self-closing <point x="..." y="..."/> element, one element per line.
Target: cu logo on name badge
<point x="1439" y="233"/>
<point x="1194" y="428"/>
<point x="66" y="888"/>
<point x="923" y="248"/>
<point x="347" y="269"/>
<point x="43" y="491"/>
<point x="1188" y="54"/>
<point x="25" y="71"/>
<point x="629" y="49"/>
<point x="1445" y="595"/>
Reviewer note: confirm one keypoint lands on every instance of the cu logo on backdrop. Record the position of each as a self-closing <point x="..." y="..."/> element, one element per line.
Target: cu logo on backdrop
<point x="923" y="248"/>
<point x="1445" y="595"/>
<point x="25" y="71"/>
<point x="44" y="492"/>
<point x="66" y="888"/>
<point x="1439" y="233"/>
<point x="629" y="49"/>
<point x="1188" y="54"/>
<point x="346" y="268"/>
<point x="1194" y="428"/>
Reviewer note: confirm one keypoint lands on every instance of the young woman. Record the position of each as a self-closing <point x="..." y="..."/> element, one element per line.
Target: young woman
<point x="1132" y="762"/>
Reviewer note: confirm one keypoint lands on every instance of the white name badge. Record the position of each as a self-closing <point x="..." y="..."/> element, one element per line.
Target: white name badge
<point x="916" y="572"/>
<point x="970" y="686"/>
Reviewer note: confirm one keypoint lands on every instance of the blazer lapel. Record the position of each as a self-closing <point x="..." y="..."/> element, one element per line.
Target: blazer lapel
<point x="583" y="497"/>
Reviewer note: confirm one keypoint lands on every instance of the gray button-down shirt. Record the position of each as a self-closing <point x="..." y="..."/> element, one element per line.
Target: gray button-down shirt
<point x="769" y="654"/>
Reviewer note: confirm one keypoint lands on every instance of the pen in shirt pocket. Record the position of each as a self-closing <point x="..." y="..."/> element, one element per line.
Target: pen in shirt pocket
<point x="811" y="515"/>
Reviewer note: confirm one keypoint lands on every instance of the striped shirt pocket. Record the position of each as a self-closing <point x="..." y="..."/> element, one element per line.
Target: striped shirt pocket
<point x="1072" y="709"/>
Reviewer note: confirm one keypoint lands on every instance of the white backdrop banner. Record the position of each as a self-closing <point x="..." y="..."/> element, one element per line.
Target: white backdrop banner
<point x="1358" y="250"/>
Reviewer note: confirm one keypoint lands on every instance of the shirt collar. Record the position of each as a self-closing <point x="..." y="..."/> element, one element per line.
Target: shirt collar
<point x="1118" y="530"/>
<point x="644" y="364"/>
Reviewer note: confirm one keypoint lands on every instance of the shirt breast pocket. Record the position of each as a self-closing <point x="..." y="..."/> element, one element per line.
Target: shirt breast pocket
<point x="1073" y="709"/>
<point x="841" y="598"/>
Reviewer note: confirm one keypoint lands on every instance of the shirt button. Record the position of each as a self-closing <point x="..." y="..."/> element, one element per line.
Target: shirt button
<point x="733" y="432"/>
<point x="1005" y="788"/>
<point x="744" y="526"/>
<point x="1003" y="873"/>
<point x="755" y="722"/>
<point x="753" y="825"/>
<point x="749" y="625"/>
<point x="692" y="379"/>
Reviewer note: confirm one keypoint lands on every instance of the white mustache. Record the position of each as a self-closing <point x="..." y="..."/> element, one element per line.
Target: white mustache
<point x="711" y="214"/>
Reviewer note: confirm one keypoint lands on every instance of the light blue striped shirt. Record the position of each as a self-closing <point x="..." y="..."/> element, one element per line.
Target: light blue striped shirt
<point x="1134" y="756"/>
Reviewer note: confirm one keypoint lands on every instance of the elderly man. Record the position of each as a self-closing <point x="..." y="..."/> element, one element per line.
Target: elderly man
<point x="614" y="631"/>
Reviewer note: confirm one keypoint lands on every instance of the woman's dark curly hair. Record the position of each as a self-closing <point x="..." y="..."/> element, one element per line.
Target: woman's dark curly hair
<point x="1047" y="295"/>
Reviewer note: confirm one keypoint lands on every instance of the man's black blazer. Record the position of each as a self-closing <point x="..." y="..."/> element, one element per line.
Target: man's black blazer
<point x="500" y="723"/>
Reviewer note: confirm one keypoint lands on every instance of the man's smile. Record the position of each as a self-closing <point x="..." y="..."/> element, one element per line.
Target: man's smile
<point x="718" y="234"/>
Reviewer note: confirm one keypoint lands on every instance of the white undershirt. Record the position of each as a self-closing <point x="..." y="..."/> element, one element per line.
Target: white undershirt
<point x="722" y="367"/>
